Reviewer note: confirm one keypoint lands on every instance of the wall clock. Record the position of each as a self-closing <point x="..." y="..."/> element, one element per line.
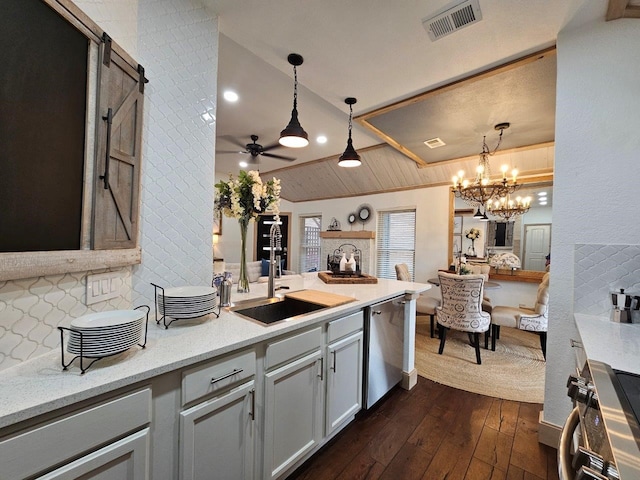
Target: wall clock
<point x="364" y="213"/>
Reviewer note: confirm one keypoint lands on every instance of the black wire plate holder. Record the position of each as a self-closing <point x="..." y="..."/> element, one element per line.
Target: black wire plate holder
<point x="334" y="261"/>
<point x="163" y="317"/>
<point x="95" y="358"/>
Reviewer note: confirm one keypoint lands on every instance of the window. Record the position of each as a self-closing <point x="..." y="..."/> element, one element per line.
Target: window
<point x="396" y="242"/>
<point x="310" y="243"/>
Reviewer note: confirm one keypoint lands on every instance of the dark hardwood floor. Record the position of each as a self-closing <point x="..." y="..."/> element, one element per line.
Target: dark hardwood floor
<point x="435" y="432"/>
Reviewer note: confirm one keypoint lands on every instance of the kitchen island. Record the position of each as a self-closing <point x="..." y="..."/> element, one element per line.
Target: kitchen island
<point x="39" y="391"/>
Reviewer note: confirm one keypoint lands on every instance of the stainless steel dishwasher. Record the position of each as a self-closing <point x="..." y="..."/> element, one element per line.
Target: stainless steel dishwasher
<point x="384" y="343"/>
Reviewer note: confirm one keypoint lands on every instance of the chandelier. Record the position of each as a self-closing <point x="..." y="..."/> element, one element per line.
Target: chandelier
<point x="507" y="208"/>
<point x="479" y="192"/>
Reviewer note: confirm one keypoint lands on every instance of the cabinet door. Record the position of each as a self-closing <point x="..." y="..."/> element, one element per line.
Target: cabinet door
<point x="293" y="412"/>
<point x="344" y="380"/>
<point x="126" y="459"/>
<point x="217" y="437"/>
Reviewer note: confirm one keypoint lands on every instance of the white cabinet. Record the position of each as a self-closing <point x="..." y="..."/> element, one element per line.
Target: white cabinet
<point x="294" y="401"/>
<point x="218" y="436"/>
<point x="126" y="459"/>
<point x="344" y="380"/>
<point x="109" y="440"/>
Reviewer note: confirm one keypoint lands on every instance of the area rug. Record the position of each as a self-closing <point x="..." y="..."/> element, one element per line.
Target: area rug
<point x="515" y="371"/>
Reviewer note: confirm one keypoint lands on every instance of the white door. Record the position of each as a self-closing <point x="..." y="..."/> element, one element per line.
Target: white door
<point x="344" y="380"/>
<point x="293" y="412"/>
<point x="126" y="459"/>
<point x="217" y="437"/>
<point x="537" y="245"/>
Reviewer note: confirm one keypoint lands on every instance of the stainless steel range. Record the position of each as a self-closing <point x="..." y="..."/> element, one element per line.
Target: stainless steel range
<point x="601" y="438"/>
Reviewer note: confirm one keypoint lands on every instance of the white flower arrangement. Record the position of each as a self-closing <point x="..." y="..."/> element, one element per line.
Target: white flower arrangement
<point x="247" y="197"/>
<point x="472" y="234"/>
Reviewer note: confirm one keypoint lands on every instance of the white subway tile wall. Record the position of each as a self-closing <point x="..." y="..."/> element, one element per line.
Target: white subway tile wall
<point x="600" y="269"/>
<point x="32" y="309"/>
<point x="177" y="43"/>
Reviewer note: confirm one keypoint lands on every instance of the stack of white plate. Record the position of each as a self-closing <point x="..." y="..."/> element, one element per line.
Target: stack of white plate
<point x="105" y="333"/>
<point x="187" y="302"/>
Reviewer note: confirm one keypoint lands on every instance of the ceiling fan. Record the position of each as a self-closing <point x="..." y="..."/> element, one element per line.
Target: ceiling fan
<point x="255" y="149"/>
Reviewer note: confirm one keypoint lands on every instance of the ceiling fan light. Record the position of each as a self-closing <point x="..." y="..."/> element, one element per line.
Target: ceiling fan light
<point x="293" y="135"/>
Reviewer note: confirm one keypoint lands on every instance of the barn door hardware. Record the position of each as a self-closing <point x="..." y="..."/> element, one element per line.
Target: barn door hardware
<point x="109" y="119"/>
<point x="106" y="55"/>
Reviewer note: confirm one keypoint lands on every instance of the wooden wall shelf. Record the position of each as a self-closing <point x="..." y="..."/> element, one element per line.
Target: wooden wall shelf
<point x="361" y="234"/>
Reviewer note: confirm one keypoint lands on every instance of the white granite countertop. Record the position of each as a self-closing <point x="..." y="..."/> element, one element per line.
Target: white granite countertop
<point x="39" y="385"/>
<point x="616" y="344"/>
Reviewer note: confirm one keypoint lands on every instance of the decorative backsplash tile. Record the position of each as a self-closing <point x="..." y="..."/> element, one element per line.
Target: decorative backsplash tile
<point x="32" y="309"/>
<point x="600" y="269"/>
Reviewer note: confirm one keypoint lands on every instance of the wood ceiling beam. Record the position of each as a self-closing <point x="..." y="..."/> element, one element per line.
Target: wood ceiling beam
<point x="622" y="9"/>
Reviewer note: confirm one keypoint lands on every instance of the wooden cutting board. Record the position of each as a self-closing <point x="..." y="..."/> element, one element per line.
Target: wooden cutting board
<point x="320" y="298"/>
<point x="327" y="277"/>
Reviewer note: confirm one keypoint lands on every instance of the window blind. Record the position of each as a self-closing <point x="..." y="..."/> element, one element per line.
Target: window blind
<point x="310" y="243"/>
<point x="396" y="242"/>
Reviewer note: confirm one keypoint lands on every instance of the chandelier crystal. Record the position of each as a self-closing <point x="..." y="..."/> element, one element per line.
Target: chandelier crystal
<point x="479" y="192"/>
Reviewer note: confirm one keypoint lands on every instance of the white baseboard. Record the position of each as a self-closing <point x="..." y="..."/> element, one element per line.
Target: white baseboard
<point x="548" y="433"/>
<point x="409" y="379"/>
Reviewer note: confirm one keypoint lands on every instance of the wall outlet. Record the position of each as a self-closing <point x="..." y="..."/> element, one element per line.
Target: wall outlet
<point x="103" y="286"/>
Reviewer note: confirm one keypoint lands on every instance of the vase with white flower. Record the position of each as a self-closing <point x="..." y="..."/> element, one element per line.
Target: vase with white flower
<point x="472" y="234"/>
<point x="245" y="198"/>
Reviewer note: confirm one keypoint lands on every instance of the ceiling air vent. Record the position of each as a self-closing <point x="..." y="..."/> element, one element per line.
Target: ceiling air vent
<point x="434" y="143"/>
<point x="452" y="19"/>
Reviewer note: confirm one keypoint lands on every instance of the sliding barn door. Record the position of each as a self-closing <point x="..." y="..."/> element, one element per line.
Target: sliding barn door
<point x="115" y="222"/>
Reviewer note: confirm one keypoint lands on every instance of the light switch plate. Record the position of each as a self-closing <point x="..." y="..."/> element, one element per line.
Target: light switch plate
<point x="103" y="286"/>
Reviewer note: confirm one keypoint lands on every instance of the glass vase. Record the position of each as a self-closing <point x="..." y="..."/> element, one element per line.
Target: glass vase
<point x="471" y="251"/>
<point x="243" y="279"/>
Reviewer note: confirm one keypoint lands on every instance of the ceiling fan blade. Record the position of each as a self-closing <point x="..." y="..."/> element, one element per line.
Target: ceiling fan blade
<point x="230" y="151"/>
<point x="271" y="147"/>
<point x="279" y="157"/>
<point x="233" y="140"/>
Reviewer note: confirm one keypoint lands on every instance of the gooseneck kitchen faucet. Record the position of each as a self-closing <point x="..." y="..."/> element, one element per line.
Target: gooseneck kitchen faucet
<point x="275" y="245"/>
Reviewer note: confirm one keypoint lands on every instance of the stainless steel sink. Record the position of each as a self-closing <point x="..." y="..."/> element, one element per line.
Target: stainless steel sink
<point x="270" y="310"/>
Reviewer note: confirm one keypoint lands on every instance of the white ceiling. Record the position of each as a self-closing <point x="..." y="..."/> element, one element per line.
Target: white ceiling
<point x="374" y="50"/>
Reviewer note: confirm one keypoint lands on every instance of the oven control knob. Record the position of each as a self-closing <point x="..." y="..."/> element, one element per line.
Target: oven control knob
<point x="585" y="473"/>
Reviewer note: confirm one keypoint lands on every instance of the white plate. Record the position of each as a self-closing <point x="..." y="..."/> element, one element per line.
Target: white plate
<point x="103" y="351"/>
<point x="107" y="319"/>
<point x="187" y="291"/>
<point x="102" y="340"/>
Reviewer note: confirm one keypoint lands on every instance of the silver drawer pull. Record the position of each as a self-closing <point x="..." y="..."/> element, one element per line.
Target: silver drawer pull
<point x="230" y="374"/>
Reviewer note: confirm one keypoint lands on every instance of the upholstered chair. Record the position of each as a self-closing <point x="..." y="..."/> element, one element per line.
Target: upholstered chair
<point x="461" y="308"/>
<point x="484" y="269"/>
<point x="535" y="319"/>
<point x="424" y="305"/>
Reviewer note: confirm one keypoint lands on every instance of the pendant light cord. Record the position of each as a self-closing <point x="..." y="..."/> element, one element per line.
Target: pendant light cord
<point x="295" y="88"/>
<point x="350" y="115"/>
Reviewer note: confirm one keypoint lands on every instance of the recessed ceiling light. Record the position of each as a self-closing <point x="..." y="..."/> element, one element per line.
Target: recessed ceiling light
<point x="543" y="202"/>
<point x="243" y="164"/>
<point x="321" y="139"/>
<point x="230" y="96"/>
<point x="542" y="194"/>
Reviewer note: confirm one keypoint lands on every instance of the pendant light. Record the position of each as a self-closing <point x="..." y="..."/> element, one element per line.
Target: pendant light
<point x="350" y="157"/>
<point x="293" y="134"/>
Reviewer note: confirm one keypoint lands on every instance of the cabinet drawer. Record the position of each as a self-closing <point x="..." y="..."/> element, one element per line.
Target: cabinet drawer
<point x="344" y="326"/>
<point x="40" y="448"/>
<point x="217" y="375"/>
<point x="292" y="347"/>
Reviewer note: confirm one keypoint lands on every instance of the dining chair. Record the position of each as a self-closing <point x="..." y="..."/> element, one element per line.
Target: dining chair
<point x="461" y="308"/>
<point x="534" y="319"/>
<point x="425" y="305"/>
